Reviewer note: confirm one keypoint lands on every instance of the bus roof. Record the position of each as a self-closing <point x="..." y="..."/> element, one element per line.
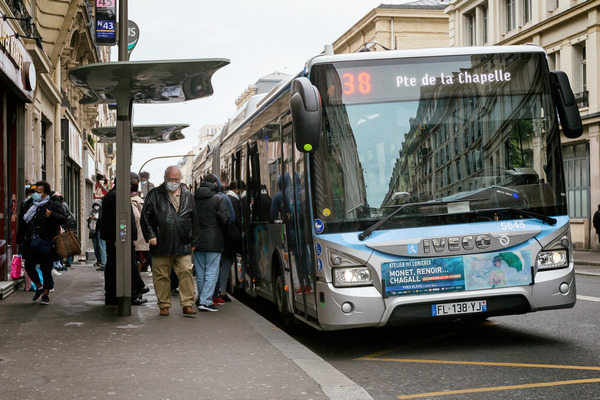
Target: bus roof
<point x="429" y="52"/>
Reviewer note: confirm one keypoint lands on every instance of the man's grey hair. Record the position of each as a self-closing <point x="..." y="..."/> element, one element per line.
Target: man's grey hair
<point x="172" y="167"/>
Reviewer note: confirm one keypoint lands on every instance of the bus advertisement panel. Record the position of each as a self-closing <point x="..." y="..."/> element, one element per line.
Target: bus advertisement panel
<point x="450" y="274"/>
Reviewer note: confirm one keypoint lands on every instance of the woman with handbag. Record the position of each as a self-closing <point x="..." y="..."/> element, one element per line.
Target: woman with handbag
<point x="39" y="221"/>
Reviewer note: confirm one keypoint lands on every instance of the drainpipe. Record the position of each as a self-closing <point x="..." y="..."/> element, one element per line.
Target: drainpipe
<point x="392" y="44"/>
<point x="57" y="134"/>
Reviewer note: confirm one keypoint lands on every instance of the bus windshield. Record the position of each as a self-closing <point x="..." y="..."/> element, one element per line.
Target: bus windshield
<point x="474" y="135"/>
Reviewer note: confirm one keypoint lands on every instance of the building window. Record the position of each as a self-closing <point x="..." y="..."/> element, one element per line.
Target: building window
<point x="576" y="160"/>
<point x="43" y="150"/>
<point x="526" y="11"/>
<point x="511" y="15"/>
<point x="484" y="13"/>
<point x="583" y="69"/>
<point x="580" y="68"/>
<point x="554" y="61"/>
<point x="552" y="5"/>
<point x="470" y="29"/>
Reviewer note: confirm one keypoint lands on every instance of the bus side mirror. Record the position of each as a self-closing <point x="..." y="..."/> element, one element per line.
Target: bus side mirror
<point x="305" y="105"/>
<point x="570" y="120"/>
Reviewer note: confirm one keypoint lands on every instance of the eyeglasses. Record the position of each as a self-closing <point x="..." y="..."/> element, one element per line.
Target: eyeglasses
<point x="176" y="180"/>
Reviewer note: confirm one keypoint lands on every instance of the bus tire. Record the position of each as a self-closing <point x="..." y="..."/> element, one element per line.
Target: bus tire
<point x="281" y="301"/>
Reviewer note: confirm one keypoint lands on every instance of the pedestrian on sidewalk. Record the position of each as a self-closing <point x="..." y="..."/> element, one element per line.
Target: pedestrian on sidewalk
<point x="596" y="221"/>
<point x="169" y="224"/>
<point x="70" y="225"/>
<point x="213" y="218"/>
<point x="145" y="185"/>
<point x="142" y="248"/>
<point x="107" y="226"/>
<point x="40" y="219"/>
<point x="97" y="241"/>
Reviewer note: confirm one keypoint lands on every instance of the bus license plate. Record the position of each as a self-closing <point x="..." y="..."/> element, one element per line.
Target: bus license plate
<point x="464" y="307"/>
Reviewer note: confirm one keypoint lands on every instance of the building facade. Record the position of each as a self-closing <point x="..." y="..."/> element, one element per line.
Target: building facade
<point x="47" y="135"/>
<point x="413" y="25"/>
<point x="569" y="32"/>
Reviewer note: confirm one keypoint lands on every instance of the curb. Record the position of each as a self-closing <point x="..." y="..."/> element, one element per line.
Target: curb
<point x="333" y="383"/>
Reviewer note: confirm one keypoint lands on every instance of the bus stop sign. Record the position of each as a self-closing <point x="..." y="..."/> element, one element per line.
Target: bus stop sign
<point x="133" y="35"/>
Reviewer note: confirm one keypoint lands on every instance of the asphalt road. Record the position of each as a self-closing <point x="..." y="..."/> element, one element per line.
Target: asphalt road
<point x="544" y="355"/>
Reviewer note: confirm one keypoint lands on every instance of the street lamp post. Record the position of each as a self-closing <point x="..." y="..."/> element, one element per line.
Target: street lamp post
<point x="156" y="158"/>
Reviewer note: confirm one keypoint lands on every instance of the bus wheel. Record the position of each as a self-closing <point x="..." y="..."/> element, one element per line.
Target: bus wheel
<point x="287" y="318"/>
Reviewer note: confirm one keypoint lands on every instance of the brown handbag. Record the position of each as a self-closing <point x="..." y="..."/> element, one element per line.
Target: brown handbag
<point x="67" y="244"/>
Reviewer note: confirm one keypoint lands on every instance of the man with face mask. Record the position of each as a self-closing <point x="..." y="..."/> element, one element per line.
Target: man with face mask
<point x="170" y="227"/>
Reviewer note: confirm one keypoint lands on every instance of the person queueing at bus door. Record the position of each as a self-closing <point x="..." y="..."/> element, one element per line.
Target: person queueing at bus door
<point x="213" y="218"/>
<point x="170" y="226"/>
<point x="97" y="241"/>
<point x="107" y="226"/>
<point x="217" y="300"/>
<point x="233" y="244"/>
<point x="40" y="219"/>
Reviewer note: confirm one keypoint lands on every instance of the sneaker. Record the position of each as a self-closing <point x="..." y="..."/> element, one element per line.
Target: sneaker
<point x="100" y="269"/>
<point x="226" y="298"/>
<point x="217" y="301"/>
<point x="45" y="299"/>
<point x="38" y="293"/>
<point x="55" y="272"/>
<point x="209" y="307"/>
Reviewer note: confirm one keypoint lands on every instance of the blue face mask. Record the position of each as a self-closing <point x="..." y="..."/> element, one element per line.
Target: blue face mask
<point x="37" y="197"/>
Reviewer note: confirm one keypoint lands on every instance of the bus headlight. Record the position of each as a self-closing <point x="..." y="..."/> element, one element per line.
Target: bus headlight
<point x="552" y="259"/>
<point x="353" y="276"/>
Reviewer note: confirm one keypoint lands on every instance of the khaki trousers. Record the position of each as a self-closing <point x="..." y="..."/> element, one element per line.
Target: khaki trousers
<point x="161" y="275"/>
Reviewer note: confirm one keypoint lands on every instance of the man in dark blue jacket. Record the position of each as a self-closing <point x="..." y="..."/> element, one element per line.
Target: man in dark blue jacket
<point x="213" y="218"/>
<point x="170" y="226"/>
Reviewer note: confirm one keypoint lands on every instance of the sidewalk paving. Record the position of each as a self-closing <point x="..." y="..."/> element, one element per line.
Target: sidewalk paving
<point x="587" y="263"/>
<point x="78" y="348"/>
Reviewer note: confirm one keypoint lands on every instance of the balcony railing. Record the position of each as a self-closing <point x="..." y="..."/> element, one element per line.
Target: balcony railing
<point x="582" y="99"/>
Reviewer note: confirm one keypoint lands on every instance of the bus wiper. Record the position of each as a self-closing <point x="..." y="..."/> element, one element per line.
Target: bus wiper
<point x="367" y="232"/>
<point x="544" y="218"/>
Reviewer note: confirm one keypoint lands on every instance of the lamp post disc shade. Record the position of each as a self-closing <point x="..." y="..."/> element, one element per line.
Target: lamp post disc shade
<point x="146" y="82"/>
<point x="143" y="133"/>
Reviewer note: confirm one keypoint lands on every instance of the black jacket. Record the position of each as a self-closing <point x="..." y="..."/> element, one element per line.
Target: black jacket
<point x="45" y="227"/>
<point x="212" y="218"/>
<point x="175" y="231"/>
<point x="107" y="220"/>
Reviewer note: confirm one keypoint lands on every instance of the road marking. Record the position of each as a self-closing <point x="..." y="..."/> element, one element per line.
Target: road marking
<point x="588" y="298"/>
<point x="419" y="342"/>
<point x="497" y="364"/>
<point x="497" y="388"/>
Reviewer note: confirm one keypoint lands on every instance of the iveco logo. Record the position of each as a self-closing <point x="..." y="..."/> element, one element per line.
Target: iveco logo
<point x="455" y="243"/>
<point x="504" y="240"/>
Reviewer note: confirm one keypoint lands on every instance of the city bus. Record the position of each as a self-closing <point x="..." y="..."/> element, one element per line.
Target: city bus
<point x="396" y="187"/>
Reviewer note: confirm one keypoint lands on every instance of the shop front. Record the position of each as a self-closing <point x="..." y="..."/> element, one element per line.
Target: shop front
<point x="17" y="84"/>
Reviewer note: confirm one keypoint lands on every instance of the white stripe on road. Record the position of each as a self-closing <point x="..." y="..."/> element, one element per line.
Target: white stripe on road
<point x="588" y="298"/>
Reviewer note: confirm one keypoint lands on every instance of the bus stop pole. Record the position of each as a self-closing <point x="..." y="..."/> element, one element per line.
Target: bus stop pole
<point x="123" y="206"/>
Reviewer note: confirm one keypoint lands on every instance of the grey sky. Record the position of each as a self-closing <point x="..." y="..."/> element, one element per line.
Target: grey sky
<point x="259" y="37"/>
